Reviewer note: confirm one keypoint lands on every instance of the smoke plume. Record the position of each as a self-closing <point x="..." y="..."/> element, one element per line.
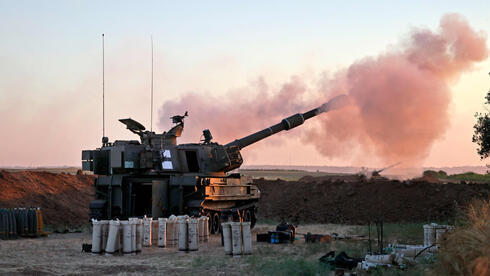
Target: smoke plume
<point x="397" y="102"/>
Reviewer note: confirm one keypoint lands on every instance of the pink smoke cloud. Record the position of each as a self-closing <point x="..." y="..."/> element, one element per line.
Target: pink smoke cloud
<point x="399" y="99"/>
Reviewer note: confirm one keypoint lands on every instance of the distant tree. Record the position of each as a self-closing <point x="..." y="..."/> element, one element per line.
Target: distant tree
<point x="482" y="131"/>
<point x="430" y="173"/>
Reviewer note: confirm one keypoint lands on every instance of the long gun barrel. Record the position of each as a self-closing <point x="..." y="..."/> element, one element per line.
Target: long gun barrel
<point x="289" y="123"/>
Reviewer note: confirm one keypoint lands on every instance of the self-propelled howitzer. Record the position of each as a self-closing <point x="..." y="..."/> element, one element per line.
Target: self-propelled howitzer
<point x="158" y="177"/>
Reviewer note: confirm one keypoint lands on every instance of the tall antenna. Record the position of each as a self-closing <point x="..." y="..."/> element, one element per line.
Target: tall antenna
<point x="151" y="107"/>
<point x="103" y="91"/>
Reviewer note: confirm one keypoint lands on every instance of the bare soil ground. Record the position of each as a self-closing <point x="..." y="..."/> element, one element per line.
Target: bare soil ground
<point x="350" y="201"/>
<point x="347" y="199"/>
<point x="61" y="254"/>
<point x="63" y="197"/>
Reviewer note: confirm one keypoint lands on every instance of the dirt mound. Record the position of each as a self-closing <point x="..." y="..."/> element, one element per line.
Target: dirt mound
<point x="63" y="198"/>
<point x="357" y="202"/>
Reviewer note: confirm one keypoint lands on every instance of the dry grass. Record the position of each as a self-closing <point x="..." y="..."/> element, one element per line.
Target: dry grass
<point x="466" y="251"/>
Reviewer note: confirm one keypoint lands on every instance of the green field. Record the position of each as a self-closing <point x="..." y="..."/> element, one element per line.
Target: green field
<point x="289" y="175"/>
<point x="295" y="175"/>
<point x="303" y="259"/>
<point x="468" y="176"/>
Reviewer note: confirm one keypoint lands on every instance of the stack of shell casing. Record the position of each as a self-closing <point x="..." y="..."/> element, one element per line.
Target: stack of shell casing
<point x="20" y="222"/>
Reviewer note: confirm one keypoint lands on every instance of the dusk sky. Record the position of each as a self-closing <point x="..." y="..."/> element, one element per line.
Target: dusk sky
<point x="51" y="73"/>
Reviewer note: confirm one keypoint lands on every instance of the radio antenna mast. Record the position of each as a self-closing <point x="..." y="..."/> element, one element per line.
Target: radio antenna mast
<point x="151" y="107"/>
<point x="103" y="92"/>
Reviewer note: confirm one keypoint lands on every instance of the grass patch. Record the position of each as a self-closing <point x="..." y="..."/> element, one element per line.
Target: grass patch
<point x="401" y="233"/>
<point x="289" y="175"/>
<point x="468" y="176"/>
<point x="303" y="259"/>
<point x="283" y="265"/>
<point x="471" y="176"/>
<point x="413" y="271"/>
<point x="404" y="233"/>
<point x="311" y="249"/>
<point x="357" y="249"/>
<point x="285" y="259"/>
<point x="298" y="258"/>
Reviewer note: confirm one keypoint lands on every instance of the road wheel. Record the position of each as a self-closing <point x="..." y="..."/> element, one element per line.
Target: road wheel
<point x="215" y="224"/>
<point x="247" y="215"/>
